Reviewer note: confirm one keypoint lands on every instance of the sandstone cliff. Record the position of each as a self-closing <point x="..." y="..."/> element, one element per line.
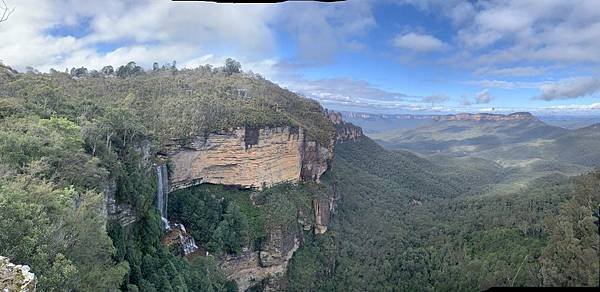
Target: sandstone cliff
<point x="248" y="158"/>
<point x="344" y="131"/>
<point x="16" y="277"/>
<point x="256" y="158"/>
<point x="518" y="116"/>
<point x="266" y="267"/>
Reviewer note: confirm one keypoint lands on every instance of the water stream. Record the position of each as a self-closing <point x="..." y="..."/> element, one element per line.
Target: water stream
<point x="188" y="243"/>
<point x="162" y="193"/>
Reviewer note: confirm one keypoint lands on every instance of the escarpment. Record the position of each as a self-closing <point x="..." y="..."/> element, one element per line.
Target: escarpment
<point x="344" y="131"/>
<point x="248" y="158"/>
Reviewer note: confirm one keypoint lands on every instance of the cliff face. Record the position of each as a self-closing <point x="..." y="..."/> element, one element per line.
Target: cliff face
<point x="519" y="116"/>
<point x="16" y="277"/>
<point x="256" y="158"/>
<point x="119" y="212"/>
<point x="267" y="266"/>
<point x="324" y="208"/>
<point x="249" y="158"/>
<point x="344" y="131"/>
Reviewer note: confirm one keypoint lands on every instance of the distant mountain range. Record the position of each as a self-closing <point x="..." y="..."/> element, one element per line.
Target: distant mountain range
<point x="377" y="123"/>
<point x="519" y="141"/>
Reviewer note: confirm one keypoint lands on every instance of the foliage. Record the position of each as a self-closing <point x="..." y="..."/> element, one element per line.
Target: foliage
<point x="227" y="219"/>
<point x="154" y="268"/>
<point x="408" y="224"/>
<point x="59" y="233"/>
<point x="232" y="66"/>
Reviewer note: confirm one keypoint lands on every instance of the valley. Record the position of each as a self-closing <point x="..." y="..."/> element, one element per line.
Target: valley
<point x="209" y="180"/>
<point x="299" y="146"/>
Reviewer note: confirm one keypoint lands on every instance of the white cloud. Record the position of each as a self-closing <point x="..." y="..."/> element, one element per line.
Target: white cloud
<point x="483" y="96"/>
<point x="143" y="31"/>
<point x="570" y="88"/>
<point x="419" y="42"/>
<point x="517" y="71"/>
<point x="146" y="31"/>
<point x="503" y="84"/>
<point x="344" y="90"/>
<point x="593" y="106"/>
<point x="323" y="30"/>
<point x="520" y="32"/>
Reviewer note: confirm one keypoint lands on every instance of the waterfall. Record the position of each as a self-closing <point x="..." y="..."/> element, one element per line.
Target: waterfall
<point x="187" y="241"/>
<point x="188" y="244"/>
<point x="162" y="193"/>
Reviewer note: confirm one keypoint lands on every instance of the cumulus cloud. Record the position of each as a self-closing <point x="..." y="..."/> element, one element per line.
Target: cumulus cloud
<point x="483" y="96"/>
<point x="570" y="88"/>
<point x="419" y="42"/>
<point x="63" y="33"/>
<point x="521" y="31"/>
<point x="323" y="30"/>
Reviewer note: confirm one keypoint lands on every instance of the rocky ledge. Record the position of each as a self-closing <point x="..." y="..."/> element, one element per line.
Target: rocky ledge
<point x="16" y="277"/>
<point x="344" y="131"/>
<point x="266" y="267"/>
<point x="248" y="158"/>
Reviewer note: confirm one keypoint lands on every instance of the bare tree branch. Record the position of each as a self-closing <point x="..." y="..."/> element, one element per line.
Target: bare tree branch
<point x="5" y="11"/>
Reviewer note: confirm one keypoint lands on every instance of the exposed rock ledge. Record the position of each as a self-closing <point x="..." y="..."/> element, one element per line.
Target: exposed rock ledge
<point x="16" y="277"/>
<point x="248" y="158"/>
<point x="250" y="269"/>
<point x="344" y="131"/>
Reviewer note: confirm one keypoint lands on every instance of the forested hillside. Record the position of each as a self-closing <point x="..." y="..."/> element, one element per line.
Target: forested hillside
<point x="71" y="141"/>
<point x="406" y="224"/>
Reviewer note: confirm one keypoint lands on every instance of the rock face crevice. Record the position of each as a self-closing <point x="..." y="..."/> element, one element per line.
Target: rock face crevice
<point x="248" y="158"/>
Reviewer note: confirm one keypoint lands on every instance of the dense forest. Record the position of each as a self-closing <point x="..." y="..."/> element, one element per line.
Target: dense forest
<point x="406" y="223"/>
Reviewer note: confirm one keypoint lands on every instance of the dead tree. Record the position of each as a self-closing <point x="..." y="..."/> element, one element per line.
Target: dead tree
<point x="5" y="11"/>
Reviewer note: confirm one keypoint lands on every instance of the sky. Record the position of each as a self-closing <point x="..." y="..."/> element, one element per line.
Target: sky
<point x="385" y="56"/>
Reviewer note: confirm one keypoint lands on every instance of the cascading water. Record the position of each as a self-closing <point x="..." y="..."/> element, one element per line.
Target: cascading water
<point x="162" y="193"/>
<point x="187" y="241"/>
<point x="188" y="244"/>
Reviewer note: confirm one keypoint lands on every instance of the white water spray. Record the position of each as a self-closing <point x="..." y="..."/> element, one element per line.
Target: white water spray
<point x="162" y="191"/>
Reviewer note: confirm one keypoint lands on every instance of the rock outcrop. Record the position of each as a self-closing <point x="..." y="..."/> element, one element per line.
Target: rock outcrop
<point x="324" y="209"/>
<point x="248" y="158"/>
<point x="344" y="131"/>
<point x="179" y="241"/>
<point x="16" y="277"/>
<point x="119" y="212"/>
<point x="267" y="266"/>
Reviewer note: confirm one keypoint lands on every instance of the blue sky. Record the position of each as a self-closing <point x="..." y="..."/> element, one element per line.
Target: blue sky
<point x="392" y="56"/>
